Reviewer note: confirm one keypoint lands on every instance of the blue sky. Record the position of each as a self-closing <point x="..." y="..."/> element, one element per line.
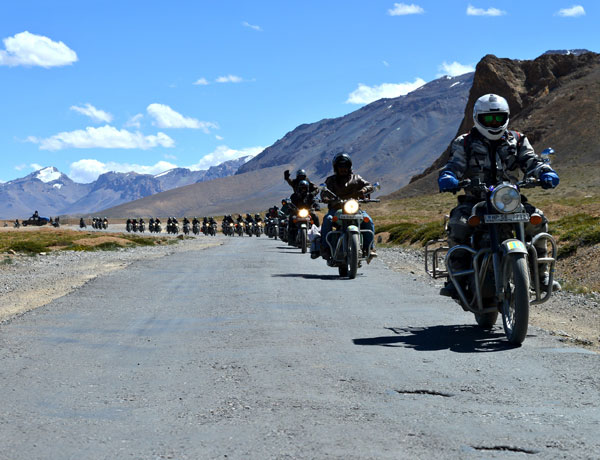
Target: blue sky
<point x="149" y="85"/>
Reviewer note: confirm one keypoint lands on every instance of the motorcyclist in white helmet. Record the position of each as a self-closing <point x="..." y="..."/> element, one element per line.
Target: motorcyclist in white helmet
<point x="490" y="152"/>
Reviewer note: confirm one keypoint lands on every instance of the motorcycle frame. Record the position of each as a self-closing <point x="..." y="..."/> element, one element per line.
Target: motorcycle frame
<point x="496" y="254"/>
<point x="348" y="226"/>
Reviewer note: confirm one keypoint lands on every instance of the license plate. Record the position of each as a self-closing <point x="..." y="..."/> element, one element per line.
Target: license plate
<point x="350" y="216"/>
<point x="506" y="218"/>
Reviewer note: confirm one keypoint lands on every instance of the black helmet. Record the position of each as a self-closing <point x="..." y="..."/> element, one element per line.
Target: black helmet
<point x="340" y="159"/>
<point x="301" y="174"/>
<point x="303" y="186"/>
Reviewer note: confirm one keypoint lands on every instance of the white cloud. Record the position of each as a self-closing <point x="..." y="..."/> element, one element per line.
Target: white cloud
<point x="106" y="137"/>
<point x="257" y="28"/>
<point x="95" y="114"/>
<point x="402" y="9"/>
<point x="365" y="94"/>
<point x="21" y="167"/>
<point x="219" y="138"/>
<point x="88" y="170"/>
<point x="229" y="79"/>
<point x="35" y="166"/>
<point x="28" y="49"/>
<point x="454" y="69"/>
<point x="168" y="156"/>
<point x="221" y="154"/>
<point x="135" y="121"/>
<point x="166" y="117"/>
<point x="573" y="12"/>
<point x="472" y="11"/>
<point x="201" y="81"/>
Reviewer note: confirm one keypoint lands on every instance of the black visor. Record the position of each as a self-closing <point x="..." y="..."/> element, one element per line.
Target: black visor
<point x="492" y="120"/>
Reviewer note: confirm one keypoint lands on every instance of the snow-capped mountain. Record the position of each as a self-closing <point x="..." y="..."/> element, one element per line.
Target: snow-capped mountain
<point x="53" y="193"/>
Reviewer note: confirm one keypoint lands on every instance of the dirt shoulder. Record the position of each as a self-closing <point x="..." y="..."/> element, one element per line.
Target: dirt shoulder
<point x="575" y="318"/>
<point x="30" y="282"/>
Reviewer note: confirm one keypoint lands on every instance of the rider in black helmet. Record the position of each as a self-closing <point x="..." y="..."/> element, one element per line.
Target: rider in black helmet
<point x="345" y="184"/>
<point x="300" y="176"/>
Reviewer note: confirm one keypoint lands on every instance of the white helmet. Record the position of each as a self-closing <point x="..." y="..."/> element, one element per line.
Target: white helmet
<point x="490" y="115"/>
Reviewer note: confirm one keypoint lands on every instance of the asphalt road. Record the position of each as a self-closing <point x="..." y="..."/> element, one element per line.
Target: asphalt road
<point x="253" y="350"/>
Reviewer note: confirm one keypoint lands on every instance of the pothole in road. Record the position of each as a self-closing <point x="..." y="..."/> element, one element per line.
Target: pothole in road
<point x="424" y="392"/>
<point x="506" y="449"/>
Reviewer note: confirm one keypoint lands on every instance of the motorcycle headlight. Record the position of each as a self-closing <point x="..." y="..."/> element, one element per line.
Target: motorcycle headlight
<point x="351" y="207"/>
<point x="506" y="198"/>
<point x="303" y="213"/>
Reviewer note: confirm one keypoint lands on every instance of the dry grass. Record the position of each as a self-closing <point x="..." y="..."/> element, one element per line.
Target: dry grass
<point x="47" y="239"/>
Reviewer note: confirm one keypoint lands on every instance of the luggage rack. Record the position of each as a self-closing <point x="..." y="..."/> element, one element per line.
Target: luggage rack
<point x="435" y="255"/>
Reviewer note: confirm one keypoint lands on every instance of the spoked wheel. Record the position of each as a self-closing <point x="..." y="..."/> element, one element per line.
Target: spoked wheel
<point x="515" y="307"/>
<point x="353" y="248"/>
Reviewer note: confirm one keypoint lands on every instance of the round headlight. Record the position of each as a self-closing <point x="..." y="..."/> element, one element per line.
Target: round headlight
<point x="351" y="207"/>
<point x="506" y="198"/>
<point x="303" y="213"/>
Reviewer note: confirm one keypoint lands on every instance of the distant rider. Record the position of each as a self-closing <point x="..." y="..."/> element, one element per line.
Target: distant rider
<point x="345" y="184"/>
<point x="300" y="176"/>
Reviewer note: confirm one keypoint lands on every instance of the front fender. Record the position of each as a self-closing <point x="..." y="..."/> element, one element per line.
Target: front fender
<point x="352" y="229"/>
<point x="513" y="246"/>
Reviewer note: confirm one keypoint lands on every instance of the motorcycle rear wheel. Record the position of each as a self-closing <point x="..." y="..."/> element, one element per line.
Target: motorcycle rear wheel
<point x="515" y="307"/>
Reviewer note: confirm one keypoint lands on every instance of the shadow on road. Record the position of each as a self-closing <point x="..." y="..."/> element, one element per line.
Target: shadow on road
<point x="307" y="276"/>
<point x="457" y="338"/>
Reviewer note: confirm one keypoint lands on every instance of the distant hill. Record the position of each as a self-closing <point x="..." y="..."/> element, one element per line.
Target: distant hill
<point x="554" y="100"/>
<point x="54" y="193"/>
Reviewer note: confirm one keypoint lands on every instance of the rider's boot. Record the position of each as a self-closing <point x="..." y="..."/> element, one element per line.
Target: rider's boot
<point x="449" y="290"/>
<point x="545" y="281"/>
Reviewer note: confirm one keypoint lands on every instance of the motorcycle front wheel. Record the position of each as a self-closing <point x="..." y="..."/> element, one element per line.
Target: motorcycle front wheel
<point x="303" y="241"/>
<point x="353" y="248"/>
<point x="515" y="307"/>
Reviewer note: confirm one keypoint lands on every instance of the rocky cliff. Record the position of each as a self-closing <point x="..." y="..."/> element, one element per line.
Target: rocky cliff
<point x="554" y="100"/>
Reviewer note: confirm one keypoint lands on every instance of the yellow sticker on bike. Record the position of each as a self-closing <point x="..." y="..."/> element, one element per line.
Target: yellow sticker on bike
<point x="515" y="245"/>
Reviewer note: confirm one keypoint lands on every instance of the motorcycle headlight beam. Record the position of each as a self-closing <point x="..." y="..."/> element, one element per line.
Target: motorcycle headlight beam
<point x="506" y="198"/>
<point x="303" y="213"/>
<point x="351" y="207"/>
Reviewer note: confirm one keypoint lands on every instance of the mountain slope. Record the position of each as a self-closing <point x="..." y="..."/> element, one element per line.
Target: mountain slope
<point x="389" y="140"/>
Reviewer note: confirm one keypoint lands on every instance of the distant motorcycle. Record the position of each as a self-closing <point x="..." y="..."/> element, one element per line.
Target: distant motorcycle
<point x="196" y="229"/>
<point x="239" y="228"/>
<point x="258" y="229"/>
<point x="186" y="228"/>
<point x="212" y="229"/>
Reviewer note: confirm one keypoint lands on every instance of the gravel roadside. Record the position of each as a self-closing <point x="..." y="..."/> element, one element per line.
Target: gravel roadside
<point x="29" y="282"/>
<point x="575" y="318"/>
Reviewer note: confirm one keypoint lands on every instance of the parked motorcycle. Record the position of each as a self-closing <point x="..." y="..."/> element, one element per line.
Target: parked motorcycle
<point x="503" y="271"/>
<point x="345" y="240"/>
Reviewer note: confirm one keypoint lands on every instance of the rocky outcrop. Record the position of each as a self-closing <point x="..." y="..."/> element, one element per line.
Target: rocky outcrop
<point x="554" y="100"/>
